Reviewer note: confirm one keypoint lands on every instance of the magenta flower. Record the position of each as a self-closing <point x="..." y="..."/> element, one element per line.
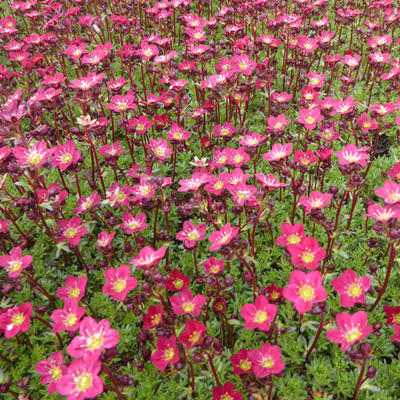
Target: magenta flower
<point x="260" y="314"/>
<point x="72" y="230"/>
<point x="351" y="154"/>
<point x="270" y="181"/>
<point x="74" y="289"/>
<point x="104" y="239"/>
<point x="67" y="318"/>
<point x="305" y="158"/>
<point x="213" y="266"/>
<point x="291" y="234"/>
<point x="352" y="289"/>
<point x="131" y="224"/>
<point x="178" y="133"/>
<point x="14" y="263"/>
<point x="65" y="155"/>
<point x="304" y="290"/>
<point x="177" y="281"/>
<point x="35" y="156"/>
<point x="396" y="336"/>
<point x="193" y="334"/>
<point x="198" y="179"/>
<point x="317" y="200"/>
<point x="191" y="234"/>
<point x="167" y="353"/>
<point x="352" y="329"/>
<point x="392" y="315"/>
<point x="81" y="380"/>
<point x="51" y="370"/>
<point x="148" y="257"/>
<point x="87" y="203"/>
<point x="94" y="337"/>
<point x="160" y="148"/>
<point x="307" y="253"/>
<point x="223" y="236"/>
<point x="119" y="282"/>
<point x="226" y="392"/>
<point x="266" y="361"/>
<point x="153" y="317"/>
<point x="87" y="82"/>
<point x="185" y="304"/>
<point x="278" y="123"/>
<point x="278" y="152"/>
<point x="16" y="319"/>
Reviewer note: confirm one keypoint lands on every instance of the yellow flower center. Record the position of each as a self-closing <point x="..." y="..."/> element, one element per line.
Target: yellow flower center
<point x="293" y="239"/>
<point x="70" y="233"/>
<point x="56" y="373"/>
<point x="83" y="381"/>
<point x="34" y="158"/>
<point x="95" y="342"/>
<point x="14" y="266"/>
<point x="245" y="365"/>
<point x="307" y="257"/>
<point x="74" y="292"/>
<point x="169" y="354"/>
<point x="307" y="292"/>
<point x="354" y="290"/>
<point x="66" y="158"/>
<point x="178" y="283"/>
<point x="260" y="317"/>
<point x="226" y="396"/>
<point x="396" y="318"/>
<point x="353" y="335"/>
<point x="267" y="362"/>
<point x="70" y="320"/>
<point x="310" y="120"/>
<point x="194" y="337"/>
<point x="188" y="307"/>
<point x="155" y="319"/>
<point x="18" y="319"/>
<point x="119" y="285"/>
<point x="193" y="235"/>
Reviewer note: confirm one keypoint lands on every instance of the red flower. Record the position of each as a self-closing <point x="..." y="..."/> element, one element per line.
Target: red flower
<point x="193" y="334"/>
<point x="304" y="290"/>
<point x="396" y="336"/>
<point x="260" y="314"/>
<point x="186" y="304"/>
<point x="166" y="353"/>
<point x="16" y="319"/>
<point x="266" y="361"/>
<point x="119" y="282"/>
<point x="223" y="237"/>
<point x="14" y="263"/>
<point x="351" y="288"/>
<point x="241" y="362"/>
<point x="153" y="318"/>
<point x="352" y="329"/>
<point x="226" y="392"/>
<point x="177" y="281"/>
<point x="392" y="314"/>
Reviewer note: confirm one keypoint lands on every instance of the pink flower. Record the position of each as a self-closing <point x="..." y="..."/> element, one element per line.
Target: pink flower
<point x="186" y="304"/>
<point x="51" y="370"/>
<point x="177" y="281"/>
<point x="366" y="124"/>
<point x="191" y="234"/>
<point x="243" y="65"/>
<point x="351" y="154"/>
<point x="392" y="315"/>
<point x="131" y="224"/>
<point x="243" y="193"/>
<point x="104" y="240"/>
<point x="310" y="118"/>
<point x="260" y="314"/>
<point x="225" y="130"/>
<point x="16" y="319"/>
<point x="14" y="263"/>
<point x="278" y="123"/>
<point x="148" y="257"/>
<point x="278" y="152"/>
<point x="266" y="361"/>
<point x="226" y="392"/>
<point x="291" y="234"/>
<point x="141" y="124"/>
<point x="352" y="329"/>
<point x="160" y="148"/>
<point x="145" y="189"/>
<point x="87" y="203"/>
<point x="167" y="353"/>
<point x="351" y="288"/>
<point x="67" y="318"/>
<point x="35" y="156"/>
<point x="87" y="82"/>
<point x="241" y="362"/>
<point x="74" y="289"/>
<point x="178" y="133"/>
<point x="270" y="181"/>
<point x="252" y="139"/>
<point x="153" y="318"/>
<point x="112" y="151"/>
<point x="304" y="290"/>
<point x="119" y="282"/>
<point x="81" y="380"/>
<point x="213" y="266"/>
<point x="198" y="179"/>
<point x="223" y="236"/>
<point x="390" y="192"/>
<point x="94" y="337"/>
<point x="72" y="230"/>
<point x="317" y="200"/>
<point x="193" y="334"/>
<point x="65" y="155"/>
<point x="307" y="253"/>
